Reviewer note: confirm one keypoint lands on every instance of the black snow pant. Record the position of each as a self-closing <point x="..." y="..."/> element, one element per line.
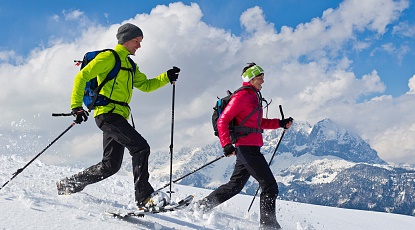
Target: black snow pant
<point x="118" y="134"/>
<point x="249" y="162"/>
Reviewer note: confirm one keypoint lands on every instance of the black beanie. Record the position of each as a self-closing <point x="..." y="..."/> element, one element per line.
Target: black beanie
<point x="127" y="32"/>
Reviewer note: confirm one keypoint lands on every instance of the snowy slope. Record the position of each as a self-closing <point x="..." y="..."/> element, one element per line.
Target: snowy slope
<point x="30" y="201"/>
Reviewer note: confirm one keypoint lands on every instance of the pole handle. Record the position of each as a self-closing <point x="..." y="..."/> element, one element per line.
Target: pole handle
<point x="282" y="113"/>
<point x="61" y="114"/>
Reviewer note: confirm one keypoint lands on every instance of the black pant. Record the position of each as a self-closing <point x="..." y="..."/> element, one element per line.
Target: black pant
<point x="249" y="162"/>
<point x="118" y="134"/>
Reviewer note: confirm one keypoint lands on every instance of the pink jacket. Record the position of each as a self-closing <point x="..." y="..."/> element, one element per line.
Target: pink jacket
<point x="240" y="106"/>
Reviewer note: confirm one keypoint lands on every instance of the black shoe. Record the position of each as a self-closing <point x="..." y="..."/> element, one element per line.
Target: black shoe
<point x="276" y="225"/>
<point x="68" y="186"/>
<point x="142" y="205"/>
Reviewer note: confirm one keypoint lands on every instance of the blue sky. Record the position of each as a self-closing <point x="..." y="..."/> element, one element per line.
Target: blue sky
<point x="33" y="20"/>
<point x="348" y="60"/>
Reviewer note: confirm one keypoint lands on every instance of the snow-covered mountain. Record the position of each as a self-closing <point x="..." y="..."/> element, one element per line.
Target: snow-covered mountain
<point x="327" y="138"/>
<point x="324" y="164"/>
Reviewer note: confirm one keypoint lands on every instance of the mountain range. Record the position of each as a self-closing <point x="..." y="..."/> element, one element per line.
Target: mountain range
<point x="324" y="164"/>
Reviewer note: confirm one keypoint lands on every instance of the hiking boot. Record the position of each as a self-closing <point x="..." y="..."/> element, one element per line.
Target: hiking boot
<point x="274" y="225"/>
<point x="68" y="186"/>
<point x="202" y="206"/>
<point x="142" y="205"/>
<point x="156" y="200"/>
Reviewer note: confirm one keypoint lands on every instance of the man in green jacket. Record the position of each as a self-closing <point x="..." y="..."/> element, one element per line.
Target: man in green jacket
<point x="118" y="134"/>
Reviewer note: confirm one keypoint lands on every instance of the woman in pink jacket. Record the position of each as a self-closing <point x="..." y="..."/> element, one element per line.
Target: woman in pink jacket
<point x="245" y="107"/>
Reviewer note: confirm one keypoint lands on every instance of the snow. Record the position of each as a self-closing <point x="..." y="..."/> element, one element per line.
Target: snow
<point x="30" y="201"/>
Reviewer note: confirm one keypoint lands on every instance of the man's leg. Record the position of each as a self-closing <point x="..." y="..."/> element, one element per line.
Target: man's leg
<point x="143" y="188"/>
<point x="109" y="165"/>
<point x="122" y="132"/>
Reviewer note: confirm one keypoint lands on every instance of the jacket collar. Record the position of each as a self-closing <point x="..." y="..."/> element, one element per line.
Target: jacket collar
<point x="249" y="84"/>
<point x="121" y="50"/>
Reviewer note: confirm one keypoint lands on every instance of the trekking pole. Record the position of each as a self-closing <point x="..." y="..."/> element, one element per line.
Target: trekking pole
<point x="270" y="161"/>
<point x="192" y="172"/>
<point x="171" y="136"/>
<point x="21" y="169"/>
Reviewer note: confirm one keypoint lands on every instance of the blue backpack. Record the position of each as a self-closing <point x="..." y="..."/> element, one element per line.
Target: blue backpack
<point x="92" y="97"/>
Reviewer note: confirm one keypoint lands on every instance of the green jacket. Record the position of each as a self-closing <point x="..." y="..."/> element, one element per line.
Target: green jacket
<point x="118" y="89"/>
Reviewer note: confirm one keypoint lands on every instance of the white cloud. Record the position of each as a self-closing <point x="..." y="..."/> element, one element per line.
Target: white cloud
<point x="9" y="56"/>
<point x="398" y="52"/>
<point x="306" y="72"/>
<point x="411" y="85"/>
<point x="371" y="14"/>
<point x="342" y="86"/>
<point x="73" y="15"/>
<point x="397" y="141"/>
<point x="55" y="18"/>
<point x="404" y="29"/>
<point x="253" y="21"/>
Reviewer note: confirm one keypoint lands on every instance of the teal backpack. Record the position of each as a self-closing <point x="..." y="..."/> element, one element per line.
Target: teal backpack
<point x="240" y="130"/>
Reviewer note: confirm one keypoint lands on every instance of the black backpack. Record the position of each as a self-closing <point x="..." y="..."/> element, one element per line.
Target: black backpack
<point x="240" y="130"/>
<point x="92" y="97"/>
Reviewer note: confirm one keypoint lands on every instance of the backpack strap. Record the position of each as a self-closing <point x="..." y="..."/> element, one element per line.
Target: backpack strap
<point x="132" y="70"/>
<point x="133" y="66"/>
<point x="259" y="95"/>
<point x="111" y="75"/>
<point x="240" y="130"/>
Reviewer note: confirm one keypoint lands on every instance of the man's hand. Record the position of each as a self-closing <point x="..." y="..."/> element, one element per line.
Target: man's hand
<point x="80" y="115"/>
<point x="173" y="74"/>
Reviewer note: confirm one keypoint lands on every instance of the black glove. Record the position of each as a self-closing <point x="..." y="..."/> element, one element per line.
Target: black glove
<point x="80" y="115"/>
<point x="228" y="150"/>
<point x="283" y="123"/>
<point x="173" y="74"/>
